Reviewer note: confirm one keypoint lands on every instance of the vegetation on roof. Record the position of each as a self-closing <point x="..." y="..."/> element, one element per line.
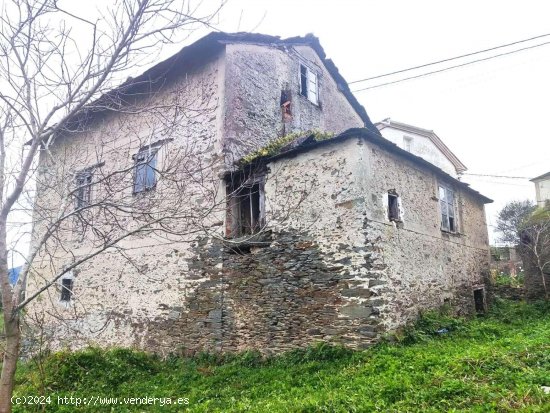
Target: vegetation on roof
<point x="275" y="146"/>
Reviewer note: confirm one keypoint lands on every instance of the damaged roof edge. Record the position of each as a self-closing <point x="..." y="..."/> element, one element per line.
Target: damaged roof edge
<point x="366" y="134"/>
<point x="210" y="43"/>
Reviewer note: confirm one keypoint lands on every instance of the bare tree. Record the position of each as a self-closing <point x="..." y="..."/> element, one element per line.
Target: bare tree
<point x="535" y="243"/>
<point x="56" y="69"/>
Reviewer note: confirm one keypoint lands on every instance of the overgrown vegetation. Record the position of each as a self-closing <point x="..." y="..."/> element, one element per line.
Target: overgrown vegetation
<point x="494" y="363"/>
<point x="507" y="280"/>
<point x="274" y="147"/>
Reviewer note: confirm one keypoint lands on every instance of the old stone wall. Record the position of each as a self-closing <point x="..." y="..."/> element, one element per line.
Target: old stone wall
<point x="119" y="292"/>
<point x="255" y="77"/>
<point x="407" y="266"/>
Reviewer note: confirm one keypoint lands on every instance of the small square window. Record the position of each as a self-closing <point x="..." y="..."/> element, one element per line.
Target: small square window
<point x="309" y="84"/>
<point x="145" y="177"/>
<point x="66" y="289"/>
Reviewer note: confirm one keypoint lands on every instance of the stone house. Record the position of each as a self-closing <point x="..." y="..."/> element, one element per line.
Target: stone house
<point x="339" y="236"/>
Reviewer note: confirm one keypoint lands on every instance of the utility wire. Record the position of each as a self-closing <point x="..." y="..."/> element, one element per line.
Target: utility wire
<point x="498" y="176"/>
<point x="451" y="67"/>
<point x="449" y="59"/>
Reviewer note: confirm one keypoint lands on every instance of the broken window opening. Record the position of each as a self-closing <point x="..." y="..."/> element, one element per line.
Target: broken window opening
<point x="393" y="207"/>
<point x="285" y="105"/>
<point x="479" y="300"/>
<point x="309" y="84"/>
<point x="145" y="177"/>
<point x="245" y="210"/>
<point x="66" y="289"/>
<point x="83" y="188"/>
<point x="447" y="206"/>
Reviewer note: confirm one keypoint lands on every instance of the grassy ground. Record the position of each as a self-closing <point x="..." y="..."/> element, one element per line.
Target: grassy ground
<point x="494" y="363"/>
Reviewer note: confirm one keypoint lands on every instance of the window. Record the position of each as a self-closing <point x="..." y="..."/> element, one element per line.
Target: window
<point x="393" y="207"/>
<point x="245" y="209"/>
<point x="407" y="143"/>
<point x="83" y="188"/>
<point x="145" y="177"/>
<point x="66" y="289"/>
<point x="309" y="85"/>
<point x="447" y="205"/>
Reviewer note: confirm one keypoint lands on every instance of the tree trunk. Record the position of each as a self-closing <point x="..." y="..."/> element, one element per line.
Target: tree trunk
<point x="11" y="354"/>
<point x="543" y="278"/>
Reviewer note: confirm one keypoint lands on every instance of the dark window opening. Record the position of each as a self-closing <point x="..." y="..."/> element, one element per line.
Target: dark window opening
<point x="447" y="206"/>
<point x="83" y="188"/>
<point x="285" y="105"/>
<point x="479" y="300"/>
<point x="245" y="207"/>
<point x="393" y="207"/>
<point x="145" y="177"/>
<point x="66" y="289"/>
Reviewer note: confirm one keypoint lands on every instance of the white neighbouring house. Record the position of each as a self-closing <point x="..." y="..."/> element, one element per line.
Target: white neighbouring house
<point x="542" y="188"/>
<point x="423" y="143"/>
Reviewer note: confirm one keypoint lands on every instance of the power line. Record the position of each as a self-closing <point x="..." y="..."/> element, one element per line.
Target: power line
<point x="498" y="176"/>
<point x="449" y="59"/>
<point x="451" y="67"/>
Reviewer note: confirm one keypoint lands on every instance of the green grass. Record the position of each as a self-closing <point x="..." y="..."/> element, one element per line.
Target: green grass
<point x="495" y="363"/>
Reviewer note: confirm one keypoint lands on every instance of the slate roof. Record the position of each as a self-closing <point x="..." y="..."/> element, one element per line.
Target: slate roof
<point x="378" y="140"/>
<point x="210" y="44"/>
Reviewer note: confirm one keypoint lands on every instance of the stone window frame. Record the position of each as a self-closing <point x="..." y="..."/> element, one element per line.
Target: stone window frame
<point x="304" y="88"/>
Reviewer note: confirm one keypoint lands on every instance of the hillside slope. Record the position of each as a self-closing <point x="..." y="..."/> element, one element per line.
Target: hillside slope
<point x="495" y="363"/>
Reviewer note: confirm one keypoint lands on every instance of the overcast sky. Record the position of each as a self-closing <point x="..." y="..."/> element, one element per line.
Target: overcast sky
<point x="491" y="114"/>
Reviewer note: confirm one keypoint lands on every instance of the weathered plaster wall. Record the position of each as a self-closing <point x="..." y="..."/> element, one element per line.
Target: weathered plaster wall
<point x="420" y="146"/>
<point x="116" y="296"/>
<point x="255" y="77"/>
<point x="542" y="190"/>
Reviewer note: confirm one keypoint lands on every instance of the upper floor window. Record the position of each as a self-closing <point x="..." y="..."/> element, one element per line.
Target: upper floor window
<point x="309" y="84"/>
<point x="145" y="177"/>
<point x="407" y="143"/>
<point x="83" y="188"/>
<point x="447" y="206"/>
